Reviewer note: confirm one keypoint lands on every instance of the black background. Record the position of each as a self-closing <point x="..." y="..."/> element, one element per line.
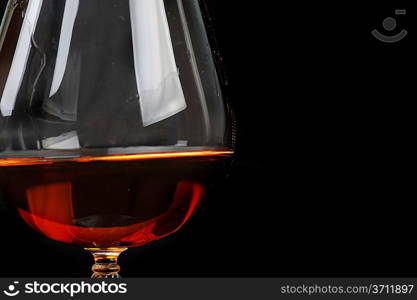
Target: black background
<point x="322" y="183"/>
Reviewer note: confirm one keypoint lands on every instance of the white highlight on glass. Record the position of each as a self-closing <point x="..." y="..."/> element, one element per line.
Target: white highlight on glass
<point x="17" y="70"/>
<point x="160" y="91"/>
<point x="65" y="141"/>
<point x="68" y="21"/>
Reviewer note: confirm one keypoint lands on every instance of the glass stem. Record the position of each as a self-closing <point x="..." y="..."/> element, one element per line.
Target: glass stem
<point x="106" y="262"/>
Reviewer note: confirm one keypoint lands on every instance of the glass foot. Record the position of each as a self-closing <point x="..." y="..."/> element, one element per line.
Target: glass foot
<point x="106" y="262"/>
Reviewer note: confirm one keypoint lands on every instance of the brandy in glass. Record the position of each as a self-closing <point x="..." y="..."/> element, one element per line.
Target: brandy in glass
<point x="112" y="119"/>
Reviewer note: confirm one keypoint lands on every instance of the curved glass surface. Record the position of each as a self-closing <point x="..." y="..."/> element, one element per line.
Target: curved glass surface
<point x="96" y="78"/>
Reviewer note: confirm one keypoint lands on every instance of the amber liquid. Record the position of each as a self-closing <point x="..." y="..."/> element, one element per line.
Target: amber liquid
<point x="119" y="201"/>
